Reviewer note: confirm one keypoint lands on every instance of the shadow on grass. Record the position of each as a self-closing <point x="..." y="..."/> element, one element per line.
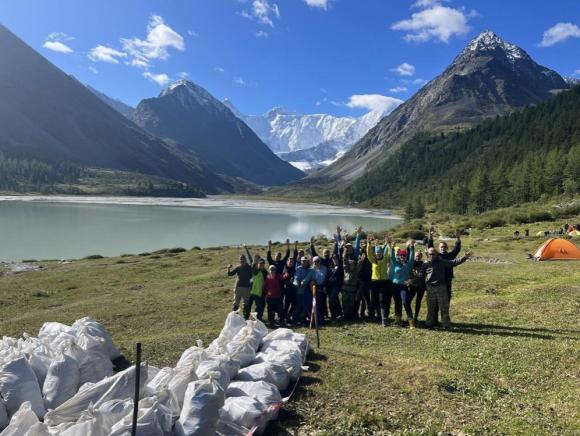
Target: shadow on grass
<point x="518" y="329"/>
<point x="492" y="330"/>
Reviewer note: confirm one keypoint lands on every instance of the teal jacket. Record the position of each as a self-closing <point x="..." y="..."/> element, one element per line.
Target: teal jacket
<point x="399" y="272"/>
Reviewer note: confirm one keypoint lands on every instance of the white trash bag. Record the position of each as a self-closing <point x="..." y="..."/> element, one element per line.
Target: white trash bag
<point x="4" y="420"/>
<point x="18" y="384"/>
<point x="234" y="323"/>
<point x="174" y="379"/>
<point x="222" y="365"/>
<point x="91" y="423"/>
<point x="21" y="421"/>
<point x="192" y="356"/>
<point x="115" y="410"/>
<point x="266" y="371"/>
<point x="119" y="386"/>
<point x="284" y="334"/>
<point x="262" y="391"/>
<point x="246" y="412"/>
<point x="62" y="381"/>
<point x="200" y="412"/>
<point x="290" y="359"/>
<point x="94" y="328"/>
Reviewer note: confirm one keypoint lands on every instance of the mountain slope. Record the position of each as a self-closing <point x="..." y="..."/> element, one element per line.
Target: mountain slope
<point x="501" y="162"/>
<point x="118" y="105"/>
<point x="189" y="115"/>
<point x="290" y="134"/>
<point x="489" y="77"/>
<point x="49" y="116"/>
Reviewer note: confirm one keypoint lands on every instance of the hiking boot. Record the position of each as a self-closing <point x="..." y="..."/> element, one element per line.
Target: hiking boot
<point x="411" y="324"/>
<point x="398" y="320"/>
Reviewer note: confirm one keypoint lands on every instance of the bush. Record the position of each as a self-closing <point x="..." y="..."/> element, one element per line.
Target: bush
<point x="567" y="211"/>
<point x="144" y="254"/>
<point x="93" y="257"/>
<point x="176" y="250"/>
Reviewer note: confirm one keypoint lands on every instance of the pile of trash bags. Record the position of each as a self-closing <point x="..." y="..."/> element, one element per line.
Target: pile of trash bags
<point x="63" y="383"/>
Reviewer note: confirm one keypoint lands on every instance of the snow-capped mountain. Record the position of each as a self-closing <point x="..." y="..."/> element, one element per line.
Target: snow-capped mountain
<point x="308" y="141"/>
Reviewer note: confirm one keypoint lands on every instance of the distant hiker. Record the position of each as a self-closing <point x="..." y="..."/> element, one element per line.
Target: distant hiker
<point x="435" y="270"/>
<point x="517" y="234"/>
<point x="380" y="286"/>
<point x="259" y="274"/>
<point x="527" y="233"/>
<point x="278" y="261"/>
<point x="243" y="284"/>
<point x="302" y="279"/>
<point x="417" y="283"/>
<point x="400" y="269"/>
<point x="350" y="289"/>
<point x="447" y="255"/>
<point x="289" y="291"/>
<point x="273" y="291"/>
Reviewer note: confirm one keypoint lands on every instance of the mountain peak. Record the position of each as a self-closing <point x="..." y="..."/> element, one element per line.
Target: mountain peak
<point x="279" y="110"/>
<point x="488" y="41"/>
<point x="181" y="86"/>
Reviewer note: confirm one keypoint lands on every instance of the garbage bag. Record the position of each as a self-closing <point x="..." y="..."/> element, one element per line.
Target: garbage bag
<point x="266" y="371"/>
<point x="38" y="429"/>
<point x="62" y="381"/>
<point x="91" y="423"/>
<point x="40" y="362"/>
<point x="115" y="410"/>
<point x="262" y="391"/>
<point x="234" y="323"/>
<point x="4" y="420"/>
<point x="246" y="412"/>
<point x="95" y="363"/>
<point x="22" y="420"/>
<point x="290" y="358"/>
<point x="174" y="379"/>
<point x="18" y="384"/>
<point x="200" y="413"/>
<point x="119" y="386"/>
<point x="96" y="329"/>
<point x="192" y="356"/>
<point x="283" y="334"/>
<point x="223" y="365"/>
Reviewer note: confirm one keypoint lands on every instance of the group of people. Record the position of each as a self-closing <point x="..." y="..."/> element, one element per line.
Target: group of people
<point x="357" y="279"/>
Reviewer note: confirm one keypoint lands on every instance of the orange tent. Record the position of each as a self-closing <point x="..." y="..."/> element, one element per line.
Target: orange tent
<point x="557" y="249"/>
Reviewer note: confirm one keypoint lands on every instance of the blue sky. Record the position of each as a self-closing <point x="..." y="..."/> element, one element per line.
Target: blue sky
<point x="309" y="56"/>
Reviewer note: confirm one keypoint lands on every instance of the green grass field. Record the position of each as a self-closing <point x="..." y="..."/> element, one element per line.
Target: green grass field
<point x="509" y="366"/>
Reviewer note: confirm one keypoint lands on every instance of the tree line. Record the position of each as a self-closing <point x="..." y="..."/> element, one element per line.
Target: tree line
<point x="521" y="157"/>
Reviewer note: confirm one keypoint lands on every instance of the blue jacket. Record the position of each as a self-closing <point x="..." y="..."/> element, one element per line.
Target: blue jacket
<point x="399" y="272"/>
<point x="302" y="278"/>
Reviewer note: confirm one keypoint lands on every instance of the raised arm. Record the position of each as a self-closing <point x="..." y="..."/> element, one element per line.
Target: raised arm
<point x="287" y="251"/>
<point x="457" y="248"/>
<point x="456" y="262"/>
<point x="312" y="249"/>
<point x="370" y="254"/>
<point x="295" y="256"/>
<point x="357" y="243"/>
<point x="248" y="254"/>
<point x="269" y="254"/>
<point x="410" y="257"/>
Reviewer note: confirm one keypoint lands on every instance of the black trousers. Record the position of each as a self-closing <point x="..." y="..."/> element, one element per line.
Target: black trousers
<point x="274" y="308"/>
<point x="289" y="306"/>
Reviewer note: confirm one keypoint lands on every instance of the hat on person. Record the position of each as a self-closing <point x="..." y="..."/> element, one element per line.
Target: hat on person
<point x="402" y="253"/>
<point x="348" y="244"/>
<point x="316" y="258"/>
<point x="303" y="258"/>
<point x="261" y="261"/>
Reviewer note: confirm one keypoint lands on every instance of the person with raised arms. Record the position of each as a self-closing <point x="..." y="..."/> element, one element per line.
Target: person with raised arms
<point x="243" y="283"/>
<point x="435" y="270"/>
<point x="259" y="274"/>
<point x="380" y="285"/>
<point x="402" y="261"/>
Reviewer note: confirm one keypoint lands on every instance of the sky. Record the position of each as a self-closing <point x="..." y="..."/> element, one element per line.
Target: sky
<point x="342" y="57"/>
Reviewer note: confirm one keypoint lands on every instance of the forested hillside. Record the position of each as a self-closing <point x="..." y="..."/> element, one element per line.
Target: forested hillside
<point x="508" y="160"/>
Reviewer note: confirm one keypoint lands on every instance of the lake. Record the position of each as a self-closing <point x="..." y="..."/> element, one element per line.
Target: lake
<point x="37" y="227"/>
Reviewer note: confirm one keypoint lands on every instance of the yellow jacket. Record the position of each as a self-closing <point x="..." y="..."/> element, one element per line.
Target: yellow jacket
<point x="380" y="267"/>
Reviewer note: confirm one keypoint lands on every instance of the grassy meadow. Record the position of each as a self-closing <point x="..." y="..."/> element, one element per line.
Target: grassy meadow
<point x="510" y="365"/>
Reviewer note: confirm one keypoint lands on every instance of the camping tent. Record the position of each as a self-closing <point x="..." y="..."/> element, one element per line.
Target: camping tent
<point x="557" y="249"/>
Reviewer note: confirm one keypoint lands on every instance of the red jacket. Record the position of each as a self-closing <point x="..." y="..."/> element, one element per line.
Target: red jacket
<point x="273" y="286"/>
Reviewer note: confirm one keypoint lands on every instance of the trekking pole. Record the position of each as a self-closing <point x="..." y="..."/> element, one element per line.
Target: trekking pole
<point x="314" y="315"/>
<point x="137" y="383"/>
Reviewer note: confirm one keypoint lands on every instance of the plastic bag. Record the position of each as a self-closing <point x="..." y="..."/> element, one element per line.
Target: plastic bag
<point x="18" y="384"/>
<point x="4" y="420"/>
<point x="192" y="356"/>
<point x="221" y="367"/>
<point x="115" y="410"/>
<point x="234" y="323"/>
<point x="40" y="362"/>
<point x="91" y="423"/>
<point x="200" y="412"/>
<point x="21" y="421"/>
<point x="96" y="329"/>
<point x="291" y="359"/>
<point x="283" y="334"/>
<point x="174" y="379"/>
<point x="119" y="386"/>
<point x="62" y="381"/>
<point x="262" y="391"/>
<point x="267" y="371"/>
<point x="246" y="412"/>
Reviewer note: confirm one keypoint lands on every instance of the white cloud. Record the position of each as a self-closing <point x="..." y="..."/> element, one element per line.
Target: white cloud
<point x="183" y="74"/>
<point x="261" y="34"/>
<point x="427" y="3"/>
<point x="161" y="79"/>
<point x="420" y="82"/>
<point x="398" y="89"/>
<point x="219" y="69"/>
<point x="558" y="33"/>
<point x="57" y="46"/>
<point x="192" y="33"/>
<point x="263" y="12"/>
<point x="103" y="53"/>
<point x="240" y="81"/>
<point x="160" y="38"/>
<point x="318" y="103"/>
<point x="322" y="4"/>
<point x="54" y="42"/>
<point x="373" y="102"/>
<point x="404" y="69"/>
<point x="577" y="71"/>
<point x="438" y="22"/>
<point x="93" y="70"/>
<point x="323" y="90"/>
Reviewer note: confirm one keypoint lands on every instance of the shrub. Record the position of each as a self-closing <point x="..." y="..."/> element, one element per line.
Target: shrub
<point x="93" y="257"/>
<point x="176" y="250"/>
